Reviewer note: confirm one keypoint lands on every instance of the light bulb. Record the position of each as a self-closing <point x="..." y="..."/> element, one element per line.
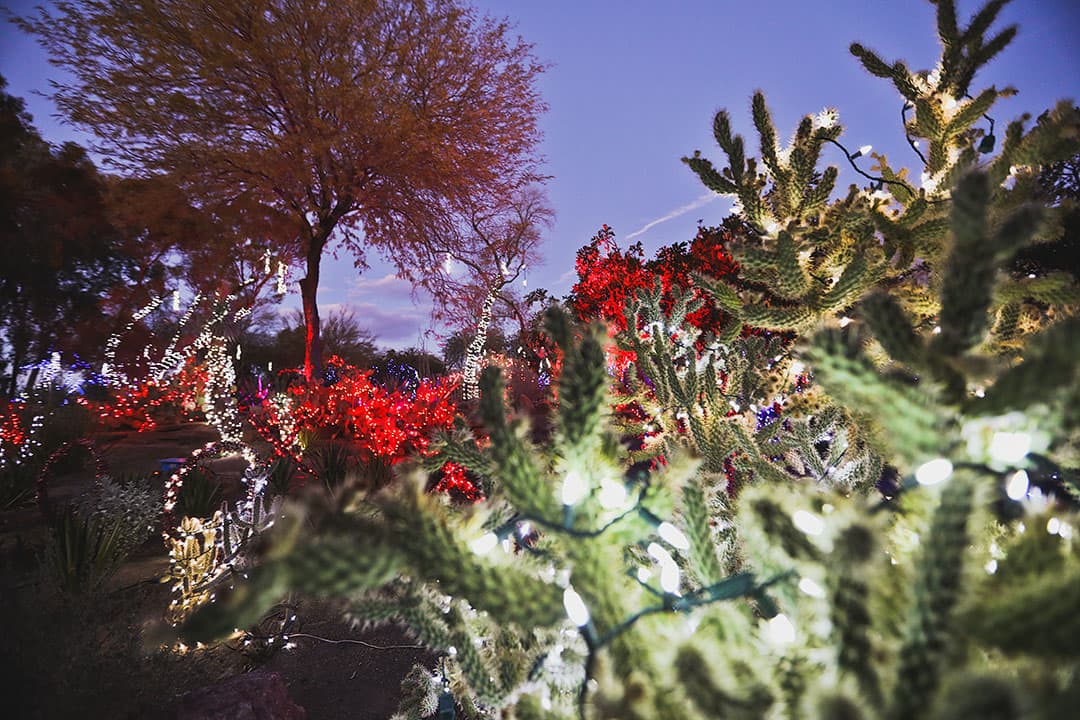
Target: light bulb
<point x="808" y="522"/>
<point x="934" y="472"/>
<point x="1010" y="447"/>
<point x="811" y="588"/>
<point x="612" y="494"/>
<point x="575" y="607"/>
<point x="779" y="631"/>
<point x="669" y="578"/>
<point x="1018" y="485"/>
<point x="644" y="574"/>
<point x="484" y="544"/>
<point x="573" y="488"/>
<point x="865" y="149"/>
<point x="673" y="536"/>
<point x="669" y="570"/>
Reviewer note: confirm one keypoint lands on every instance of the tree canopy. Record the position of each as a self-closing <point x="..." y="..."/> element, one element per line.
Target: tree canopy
<point x="368" y="123"/>
<point x="64" y="253"/>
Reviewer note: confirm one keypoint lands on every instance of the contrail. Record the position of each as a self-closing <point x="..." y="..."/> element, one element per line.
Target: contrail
<point x="704" y="199"/>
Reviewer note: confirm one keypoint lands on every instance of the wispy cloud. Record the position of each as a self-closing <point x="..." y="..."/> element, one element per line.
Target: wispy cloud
<point x="392" y="325"/>
<point x="389" y="285"/>
<point x="702" y="200"/>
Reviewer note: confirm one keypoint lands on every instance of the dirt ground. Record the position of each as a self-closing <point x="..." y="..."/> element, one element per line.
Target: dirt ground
<point x="356" y="677"/>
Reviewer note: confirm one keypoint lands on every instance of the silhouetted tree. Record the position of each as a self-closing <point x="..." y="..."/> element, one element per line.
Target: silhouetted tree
<point x="359" y="122"/>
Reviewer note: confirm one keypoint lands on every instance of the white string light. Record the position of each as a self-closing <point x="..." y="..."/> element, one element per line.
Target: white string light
<point x="934" y="472"/>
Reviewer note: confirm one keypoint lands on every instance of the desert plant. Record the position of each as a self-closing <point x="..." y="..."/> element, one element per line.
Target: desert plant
<point x="282" y="473"/>
<point x="332" y="462"/>
<point x="82" y="552"/>
<point x="129" y="502"/>
<point x="16" y="484"/>
<point x="200" y="495"/>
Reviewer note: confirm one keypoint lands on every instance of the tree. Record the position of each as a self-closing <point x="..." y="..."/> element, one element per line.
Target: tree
<point x="359" y="122"/>
<point x="342" y="336"/>
<point x="69" y="255"/>
<point x="479" y="259"/>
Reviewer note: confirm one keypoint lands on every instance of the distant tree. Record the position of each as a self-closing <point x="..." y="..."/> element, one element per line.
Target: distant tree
<point x="341" y="334"/>
<point x="478" y="260"/>
<point x="359" y="122"/>
<point x="62" y="255"/>
<point x="456" y="345"/>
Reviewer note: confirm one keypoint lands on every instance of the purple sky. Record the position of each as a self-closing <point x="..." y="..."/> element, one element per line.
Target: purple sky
<point x="634" y="86"/>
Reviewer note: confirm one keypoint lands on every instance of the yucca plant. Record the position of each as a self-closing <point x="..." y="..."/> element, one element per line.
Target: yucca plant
<point x="200" y="495"/>
<point x="82" y="552"/>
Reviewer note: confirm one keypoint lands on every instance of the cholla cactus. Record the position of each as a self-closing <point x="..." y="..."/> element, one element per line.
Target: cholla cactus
<point x="589" y="585"/>
<point x="193" y="563"/>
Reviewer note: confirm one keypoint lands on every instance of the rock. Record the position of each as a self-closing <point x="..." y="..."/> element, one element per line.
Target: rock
<point x="252" y="696"/>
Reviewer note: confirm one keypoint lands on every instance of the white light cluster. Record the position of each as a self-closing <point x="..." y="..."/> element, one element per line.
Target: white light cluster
<point x="575" y="607"/>
<point x="669" y="569"/>
<point x="1017" y="486"/>
<point x="573" y="488"/>
<point x="934" y="472"/>
<point x="471" y="387"/>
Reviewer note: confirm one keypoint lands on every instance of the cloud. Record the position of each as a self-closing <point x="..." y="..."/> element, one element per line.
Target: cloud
<point x="702" y="200"/>
<point x="389" y="285"/>
<point x="393" y="325"/>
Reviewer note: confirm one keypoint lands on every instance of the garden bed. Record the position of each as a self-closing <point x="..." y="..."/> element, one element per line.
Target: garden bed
<point x="92" y="657"/>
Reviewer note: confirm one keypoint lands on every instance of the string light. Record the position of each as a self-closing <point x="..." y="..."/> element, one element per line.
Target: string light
<point x="811" y="588"/>
<point x="612" y="494"/>
<point x="934" y="472"/>
<point x="673" y="536"/>
<point x="575" y="607"/>
<point x="484" y="544"/>
<point x="1010" y="447"/>
<point x="808" y="522"/>
<point x="779" y="631"/>
<point x="573" y="488"/>
<point x="282" y="286"/>
<point x="1017" y="486"/>
<point x="669" y="569"/>
<point x="475" y="351"/>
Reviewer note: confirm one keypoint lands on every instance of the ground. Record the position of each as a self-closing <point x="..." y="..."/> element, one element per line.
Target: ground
<point x="92" y="658"/>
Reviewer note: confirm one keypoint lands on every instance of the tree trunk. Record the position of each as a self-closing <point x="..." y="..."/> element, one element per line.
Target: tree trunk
<point x="309" y="287"/>
<point x="471" y="385"/>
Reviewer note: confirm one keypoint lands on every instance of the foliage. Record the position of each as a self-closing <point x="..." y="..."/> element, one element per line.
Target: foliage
<point x="52" y="208"/>
<point x="341" y="334"/>
<point x="608" y="278"/>
<point x="200" y="495"/>
<point x="129" y="503"/>
<point x="377" y="423"/>
<point x="421" y="105"/>
<point x="82" y="552"/>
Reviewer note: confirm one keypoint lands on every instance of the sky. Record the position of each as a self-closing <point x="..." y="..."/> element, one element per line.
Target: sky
<point x="633" y="87"/>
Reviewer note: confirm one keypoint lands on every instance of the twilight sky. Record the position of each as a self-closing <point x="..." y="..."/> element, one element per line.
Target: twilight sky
<point x="634" y="86"/>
